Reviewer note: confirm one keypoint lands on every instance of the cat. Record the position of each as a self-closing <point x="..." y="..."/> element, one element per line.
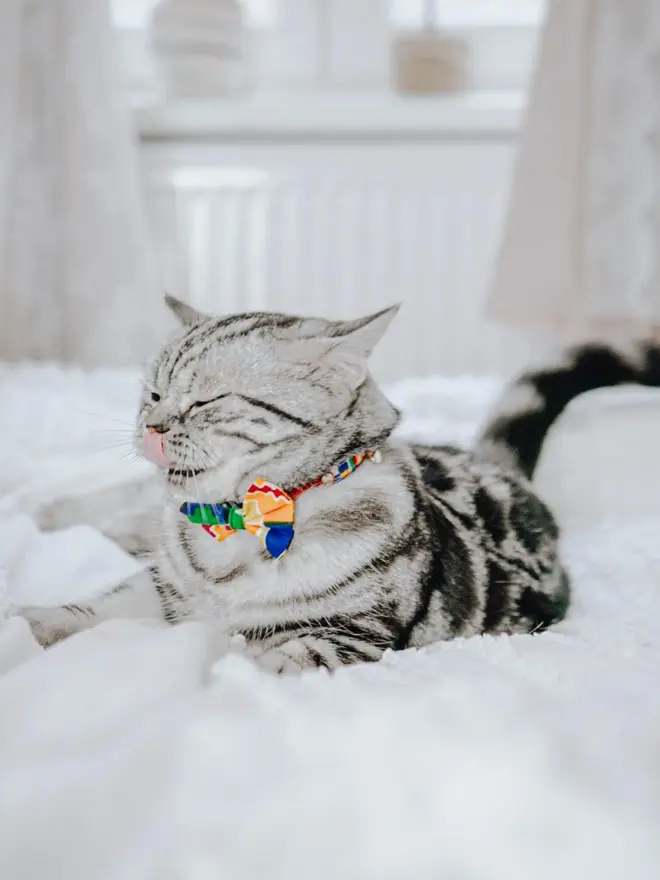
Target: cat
<point x="393" y="545"/>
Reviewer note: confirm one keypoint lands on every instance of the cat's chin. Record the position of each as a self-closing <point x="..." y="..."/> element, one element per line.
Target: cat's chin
<point x="202" y="486"/>
<point x="186" y="485"/>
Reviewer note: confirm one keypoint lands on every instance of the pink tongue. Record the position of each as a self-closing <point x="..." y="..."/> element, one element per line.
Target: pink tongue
<point x="152" y="444"/>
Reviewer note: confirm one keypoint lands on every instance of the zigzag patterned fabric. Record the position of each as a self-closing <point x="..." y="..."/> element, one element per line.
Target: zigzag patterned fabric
<point x="267" y="511"/>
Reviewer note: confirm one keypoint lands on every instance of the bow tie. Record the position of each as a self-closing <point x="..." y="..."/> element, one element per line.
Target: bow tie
<point x="268" y="512"/>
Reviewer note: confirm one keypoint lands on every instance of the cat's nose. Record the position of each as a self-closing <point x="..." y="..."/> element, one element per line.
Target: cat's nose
<point x="153" y="447"/>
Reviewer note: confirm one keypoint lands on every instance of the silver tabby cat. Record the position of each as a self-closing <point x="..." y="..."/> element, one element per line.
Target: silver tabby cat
<point x="429" y="543"/>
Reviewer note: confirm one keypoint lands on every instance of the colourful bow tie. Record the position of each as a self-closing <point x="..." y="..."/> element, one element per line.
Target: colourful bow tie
<point x="267" y="511"/>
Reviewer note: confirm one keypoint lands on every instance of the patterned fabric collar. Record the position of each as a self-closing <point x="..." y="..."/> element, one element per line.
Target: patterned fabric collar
<point x="267" y="511"/>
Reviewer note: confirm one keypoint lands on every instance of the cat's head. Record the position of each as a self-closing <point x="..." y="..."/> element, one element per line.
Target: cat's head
<point x="260" y="395"/>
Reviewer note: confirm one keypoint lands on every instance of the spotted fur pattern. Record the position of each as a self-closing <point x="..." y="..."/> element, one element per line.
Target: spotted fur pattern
<point x="431" y="543"/>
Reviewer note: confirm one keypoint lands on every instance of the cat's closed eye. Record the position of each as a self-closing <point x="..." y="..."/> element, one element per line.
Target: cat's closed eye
<point x="198" y="404"/>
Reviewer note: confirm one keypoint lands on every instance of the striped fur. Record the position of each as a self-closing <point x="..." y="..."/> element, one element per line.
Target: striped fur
<point x="521" y="420"/>
<point x="432" y="543"/>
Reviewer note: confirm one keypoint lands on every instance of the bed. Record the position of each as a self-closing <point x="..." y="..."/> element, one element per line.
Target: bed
<point x="129" y="752"/>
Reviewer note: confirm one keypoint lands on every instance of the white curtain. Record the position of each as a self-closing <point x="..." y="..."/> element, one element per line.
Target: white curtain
<point x="76" y="279"/>
<point x="581" y="250"/>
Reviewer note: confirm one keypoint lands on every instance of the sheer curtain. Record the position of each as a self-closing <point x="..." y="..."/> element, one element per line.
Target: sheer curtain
<point x="581" y="251"/>
<point x="76" y="280"/>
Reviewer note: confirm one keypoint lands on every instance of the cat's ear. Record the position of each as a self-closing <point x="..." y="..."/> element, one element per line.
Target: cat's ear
<point x="351" y="342"/>
<point x="363" y="334"/>
<point x="185" y="313"/>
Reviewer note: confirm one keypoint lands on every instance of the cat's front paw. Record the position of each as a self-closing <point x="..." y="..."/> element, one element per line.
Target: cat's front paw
<point x="291" y="658"/>
<point x="48" y="625"/>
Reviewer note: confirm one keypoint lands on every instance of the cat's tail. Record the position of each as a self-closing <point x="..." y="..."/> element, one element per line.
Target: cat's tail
<point x="516" y="430"/>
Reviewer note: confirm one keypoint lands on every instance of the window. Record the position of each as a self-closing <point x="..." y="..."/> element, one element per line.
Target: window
<point x="404" y="13"/>
<point x="134" y="14"/>
<point x="462" y="13"/>
<point x="502" y="33"/>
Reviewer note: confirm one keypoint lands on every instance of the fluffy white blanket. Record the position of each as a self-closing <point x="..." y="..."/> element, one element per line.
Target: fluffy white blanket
<point x="124" y="754"/>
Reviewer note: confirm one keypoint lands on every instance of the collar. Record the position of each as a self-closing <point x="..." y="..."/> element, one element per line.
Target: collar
<point x="267" y="511"/>
<point x="340" y="472"/>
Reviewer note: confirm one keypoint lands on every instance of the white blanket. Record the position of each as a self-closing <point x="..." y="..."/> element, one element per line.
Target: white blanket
<point x="124" y="753"/>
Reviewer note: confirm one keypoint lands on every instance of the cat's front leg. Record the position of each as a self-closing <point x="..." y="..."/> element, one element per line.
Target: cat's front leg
<point x="127" y="513"/>
<point x="136" y="598"/>
<point x="313" y="650"/>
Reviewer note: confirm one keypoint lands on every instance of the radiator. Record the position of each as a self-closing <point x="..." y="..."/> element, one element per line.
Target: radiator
<point x="341" y="234"/>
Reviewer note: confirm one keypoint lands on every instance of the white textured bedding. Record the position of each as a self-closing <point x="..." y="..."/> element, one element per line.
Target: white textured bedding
<point x="125" y="754"/>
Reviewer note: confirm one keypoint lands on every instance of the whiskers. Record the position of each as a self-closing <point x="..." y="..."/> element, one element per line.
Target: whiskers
<point x="186" y="468"/>
<point x="111" y="439"/>
<point x="112" y="434"/>
<point x="104" y="417"/>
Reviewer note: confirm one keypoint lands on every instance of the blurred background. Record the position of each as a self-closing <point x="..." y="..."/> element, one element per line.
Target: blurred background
<point x="364" y="159"/>
<point x="309" y="156"/>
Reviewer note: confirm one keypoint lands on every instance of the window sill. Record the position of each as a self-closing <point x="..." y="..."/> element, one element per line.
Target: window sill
<point x="478" y="114"/>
